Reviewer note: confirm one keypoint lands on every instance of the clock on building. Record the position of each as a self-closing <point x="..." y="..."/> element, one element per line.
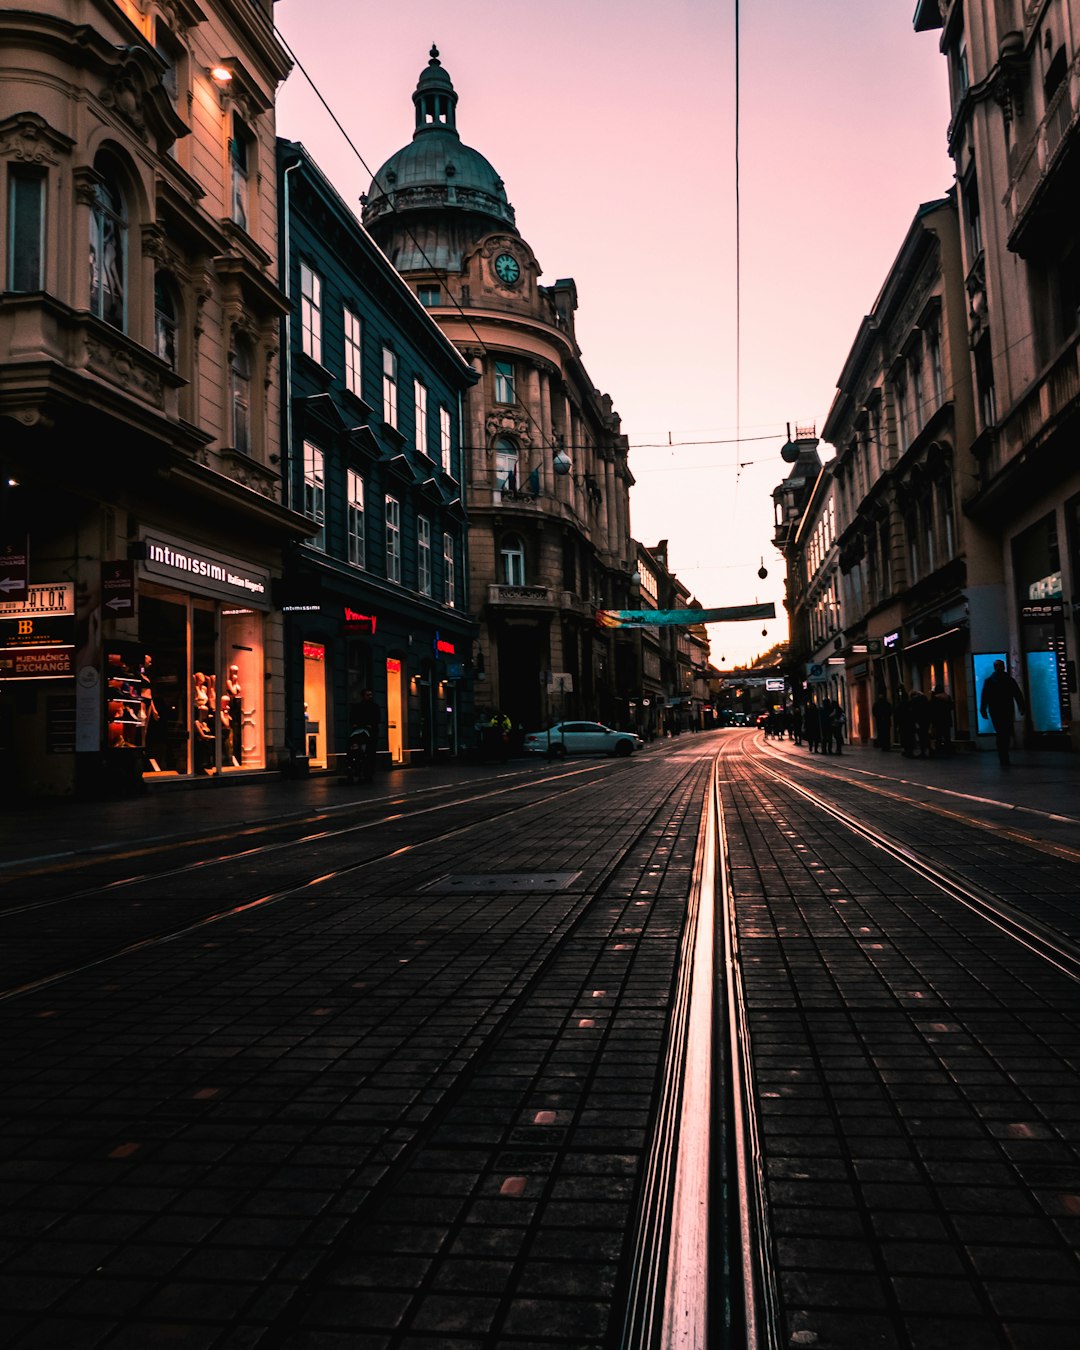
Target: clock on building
<point x="507" y="268"/>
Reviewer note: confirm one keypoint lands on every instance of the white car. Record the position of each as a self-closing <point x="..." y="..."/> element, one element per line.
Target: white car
<point x="581" y="738"/>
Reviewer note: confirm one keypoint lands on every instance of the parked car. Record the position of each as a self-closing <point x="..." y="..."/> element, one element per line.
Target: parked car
<point x="581" y="738"/>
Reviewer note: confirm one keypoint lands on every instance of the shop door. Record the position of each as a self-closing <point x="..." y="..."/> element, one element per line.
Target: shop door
<point x="315" y="704"/>
<point x="394" y="711"/>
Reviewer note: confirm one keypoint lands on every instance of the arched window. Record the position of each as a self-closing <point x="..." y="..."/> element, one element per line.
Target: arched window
<point x="108" y="251"/>
<point x="512" y="554"/>
<point x="506" y="465"/>
<point x="165" y="318"/>
<point x="240" y="394"/>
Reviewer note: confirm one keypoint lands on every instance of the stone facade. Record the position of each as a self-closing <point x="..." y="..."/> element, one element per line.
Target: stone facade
<point x="548" y="478"/>
<point x="139" y="335"/>
<point x="1014" y="134"/>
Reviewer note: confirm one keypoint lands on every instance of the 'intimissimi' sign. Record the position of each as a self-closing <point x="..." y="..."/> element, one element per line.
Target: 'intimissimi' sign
<point x="195" y="568"/>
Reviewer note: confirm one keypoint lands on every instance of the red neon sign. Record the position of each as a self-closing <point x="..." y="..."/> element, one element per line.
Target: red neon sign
<point x="443" y="646"/>
<point x="393" y="667"/>
<point x="355" y="622"/>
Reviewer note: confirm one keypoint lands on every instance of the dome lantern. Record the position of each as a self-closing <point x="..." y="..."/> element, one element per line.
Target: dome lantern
<point x="435" y="98"/>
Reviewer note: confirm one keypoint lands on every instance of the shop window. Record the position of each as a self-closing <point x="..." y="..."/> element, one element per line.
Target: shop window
<point x="504" y="382"/>
<point x="389" y="386"/>
<point x="393" y="540"/>
<point x="315" y="492"/>
<point x="506" y="466"/>
<point x="444" y="439"/>
<point x="240" y="364"/>
<point x="449" y="576"/>
<point x="241" y="157"/>
<point x="311" y="312"/>
<point x="421" y="417"/>
<point x="26" y="230"/>
<point x="165" y="318"/>
<point x="357" y="536"/>
<point x="512" y="556"/>
<point x="423" y="554"/>
<point x="109" y="249"/>
<point x="354" y="353"/>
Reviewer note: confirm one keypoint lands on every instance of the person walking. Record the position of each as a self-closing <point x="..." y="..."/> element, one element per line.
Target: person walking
<point x="837" y="726"/>
<point x="797" y="723"/>
<point x="905" y="723"/>
<point x="919" y="710"/>
<point x="1000" y="698"/>
<point x="366" y="718"/>
<point x="941" y="720"/>
<point x="882" y="711"/>
<point x="812" y="726"/>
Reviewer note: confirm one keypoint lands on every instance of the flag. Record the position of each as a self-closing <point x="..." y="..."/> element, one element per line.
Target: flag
<point x="534" y="482"/>
<point x="511" y="481"/>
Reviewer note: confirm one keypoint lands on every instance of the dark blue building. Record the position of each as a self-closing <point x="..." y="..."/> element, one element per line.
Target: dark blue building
<point x="377" y="597"/>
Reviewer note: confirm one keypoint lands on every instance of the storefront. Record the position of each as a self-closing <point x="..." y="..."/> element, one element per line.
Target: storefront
<point x="185" y="694"/>
<point x="1043" y="652"/>
<point x="336" y="648"/>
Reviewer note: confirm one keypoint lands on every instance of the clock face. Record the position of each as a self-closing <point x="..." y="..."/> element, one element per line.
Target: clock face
<point x="507" y="268"/>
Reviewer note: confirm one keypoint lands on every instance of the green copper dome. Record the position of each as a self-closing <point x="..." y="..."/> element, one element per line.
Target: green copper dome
<point x="436" y="171"/>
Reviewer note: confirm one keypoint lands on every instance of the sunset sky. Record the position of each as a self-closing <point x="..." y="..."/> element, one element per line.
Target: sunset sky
<point x="613" y="125"/>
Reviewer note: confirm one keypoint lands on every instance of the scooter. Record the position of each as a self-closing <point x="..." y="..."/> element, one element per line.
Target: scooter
<point x="359" y="757"/>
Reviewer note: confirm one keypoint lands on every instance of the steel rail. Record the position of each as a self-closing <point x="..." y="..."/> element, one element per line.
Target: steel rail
<point x="275" y="897"/>
<point x="1041" y="940"/>
<point x="667" y="1299"/>
<point x="222" y="860"/>
<point x="750" y="1219"/>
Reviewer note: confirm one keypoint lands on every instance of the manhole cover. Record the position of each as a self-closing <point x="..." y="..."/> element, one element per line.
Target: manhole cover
<point x="503" y="881"/>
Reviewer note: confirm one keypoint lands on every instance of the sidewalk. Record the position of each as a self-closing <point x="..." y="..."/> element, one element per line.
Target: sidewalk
<point x="61" y="827"/>
<point x="1039" y="780"/>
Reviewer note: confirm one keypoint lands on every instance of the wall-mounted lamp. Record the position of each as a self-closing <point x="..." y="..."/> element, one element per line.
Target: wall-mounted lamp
<point x="221" y="75"/>
<point x="562" y="464"/>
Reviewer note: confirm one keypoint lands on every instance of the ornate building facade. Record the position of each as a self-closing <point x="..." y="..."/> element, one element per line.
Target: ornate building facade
<point x="548" y="478"/>
<point x="139" y="317"/>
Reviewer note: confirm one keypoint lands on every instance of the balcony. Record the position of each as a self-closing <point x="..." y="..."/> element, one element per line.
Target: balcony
<point x="1035" y="164"/>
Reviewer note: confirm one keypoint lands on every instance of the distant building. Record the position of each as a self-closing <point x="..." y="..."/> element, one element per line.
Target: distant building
<point x="921" y="583"/>
<point x="1014" y="134"/>
<point x="377" y="597"/>
<point x="548" y="478"/>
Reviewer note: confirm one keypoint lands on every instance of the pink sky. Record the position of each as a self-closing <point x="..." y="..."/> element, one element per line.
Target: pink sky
<point x="612" y="123"/>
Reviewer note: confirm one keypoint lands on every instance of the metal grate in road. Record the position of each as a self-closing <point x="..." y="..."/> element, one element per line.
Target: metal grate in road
<point x="486" y="882"/>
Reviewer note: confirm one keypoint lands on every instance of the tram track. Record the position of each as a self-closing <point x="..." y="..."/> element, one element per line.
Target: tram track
<point x="112" y="889"/>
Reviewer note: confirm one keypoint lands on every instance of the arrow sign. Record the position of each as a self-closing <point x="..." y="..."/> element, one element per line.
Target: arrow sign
<point x="118" y="587"/>
<point x="656" y="618"/>
<point x="15" y="567"/>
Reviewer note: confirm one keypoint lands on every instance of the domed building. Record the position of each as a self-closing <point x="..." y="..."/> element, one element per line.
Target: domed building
<point x="548" y="479"/>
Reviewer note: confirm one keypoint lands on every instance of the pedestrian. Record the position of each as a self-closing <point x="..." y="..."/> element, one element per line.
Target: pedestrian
<point x="904" y="723"/>
<point x="941" y="720"/>
<point x="837" y="726"/>
<point x="812" y="726"/>
<point x="919" y="707"/>
<point x="797" y="723"/>
<point x="999" y="700"/>
<point x="366" y="717"/>
<point x="883" y="712"/>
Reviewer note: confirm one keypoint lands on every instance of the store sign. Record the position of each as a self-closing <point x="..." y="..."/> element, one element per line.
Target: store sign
<point x="314" y="651"/>
<point x="891" y="641"/>
<point x="774" y="686"/>
<point x="1047" y="612"/>
<point x="873" y="646"/>
<point x="37" y="634"/>
<point x="815" y="673"/>
<point x="443" y="647"/>
<point x="118" y="589"/>
<point x="355" y="622"/>
<point x="205" y="572"/>
<point x="37" y="663"/>
<point x="1049" y="588"/>
<point x="14" y="567"/>
<point x="55" y="597"/>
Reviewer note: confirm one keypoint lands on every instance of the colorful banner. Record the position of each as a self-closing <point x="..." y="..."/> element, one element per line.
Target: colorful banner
<point x="684" y="618"/>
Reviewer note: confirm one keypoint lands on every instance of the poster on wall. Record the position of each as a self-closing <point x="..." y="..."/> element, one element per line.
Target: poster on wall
<point x="1043" y="691"/>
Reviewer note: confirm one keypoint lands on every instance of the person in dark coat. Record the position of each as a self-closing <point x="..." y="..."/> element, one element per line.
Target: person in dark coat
<point x="1000" y="698"/>
<point x="904" y="723"/>
<point x="919" y="708"/>
<point x="882" y="711"/>
<point x="812" y="726"/>
<point x="941" y="720"/>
